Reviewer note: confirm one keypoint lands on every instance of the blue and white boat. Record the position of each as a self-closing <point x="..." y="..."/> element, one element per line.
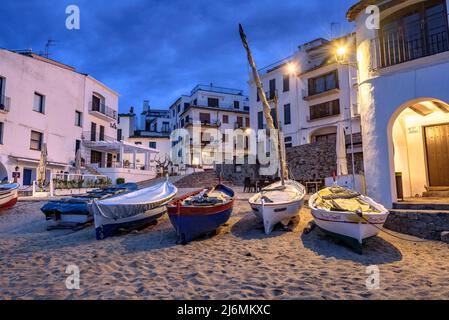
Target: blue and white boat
<point x="201" y="212"/>
<point x="74" y="211"/>
<point x="131" y="211"/>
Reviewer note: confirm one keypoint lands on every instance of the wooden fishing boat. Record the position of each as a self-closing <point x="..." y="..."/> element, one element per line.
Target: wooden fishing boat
<point x="131" y="211"/>
<point x="278" y="204"/>
<point x="74" y="212"/>
<point x="8" y="195"/>
<point x="282" y="201"/>
<point x="201" y="212"/>
<point x="347" y="214"/>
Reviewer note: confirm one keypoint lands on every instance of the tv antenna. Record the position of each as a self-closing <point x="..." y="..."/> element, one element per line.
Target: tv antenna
<point x="50" y="43"/>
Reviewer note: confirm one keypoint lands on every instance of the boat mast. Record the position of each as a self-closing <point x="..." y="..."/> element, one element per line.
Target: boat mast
<point x="265" y="103"/>
<point x="283" y="171"/>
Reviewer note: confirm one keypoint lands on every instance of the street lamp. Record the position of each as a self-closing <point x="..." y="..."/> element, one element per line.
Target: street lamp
<point x="341" y="56"/>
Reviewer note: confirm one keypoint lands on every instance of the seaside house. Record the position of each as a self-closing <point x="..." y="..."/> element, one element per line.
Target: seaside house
<point x="404" y="97"/>
<point x="316" y="95"/>
<point x="153" y="133"/>
<point x="45" y="101"/>
<point x="216" y="112"/>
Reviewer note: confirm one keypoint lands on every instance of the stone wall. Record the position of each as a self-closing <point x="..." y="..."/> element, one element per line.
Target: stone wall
<point x="309" y="162"/>
<point x="427" y="225"/>
<point x="317" y="161"/>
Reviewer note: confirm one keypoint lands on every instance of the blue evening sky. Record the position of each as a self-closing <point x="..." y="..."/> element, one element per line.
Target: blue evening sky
<point x="158" y="50"/>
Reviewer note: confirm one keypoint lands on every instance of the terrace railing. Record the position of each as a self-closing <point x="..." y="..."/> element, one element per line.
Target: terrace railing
<point x="103" y="109"/>
<point x="394" y="48"/>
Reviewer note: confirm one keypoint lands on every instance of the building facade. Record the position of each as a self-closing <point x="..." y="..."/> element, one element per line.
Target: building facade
<point x="210" y="115"/>
<point x="316" y="95"/>
<point x="404" y="97"/>
<point x="44" y="101"/>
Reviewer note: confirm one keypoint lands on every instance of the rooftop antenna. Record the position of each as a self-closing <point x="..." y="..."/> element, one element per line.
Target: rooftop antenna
<point x="334" y="24"/>
<point x="50" y="42"/>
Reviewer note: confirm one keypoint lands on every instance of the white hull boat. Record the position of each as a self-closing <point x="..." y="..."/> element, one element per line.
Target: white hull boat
<point x="278" y="205"/>
<point x="8" y="195"/>
<point x="350" y="215"/>
<point x="131" y="211"/>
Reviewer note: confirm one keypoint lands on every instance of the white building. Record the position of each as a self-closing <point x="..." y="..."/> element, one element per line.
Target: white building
<point x="314" y="94"/>
<point x="44" y="101"/>
<point x="153" y="132"/>
<point x="216" y="111"/>
<point x="404" y="96"/>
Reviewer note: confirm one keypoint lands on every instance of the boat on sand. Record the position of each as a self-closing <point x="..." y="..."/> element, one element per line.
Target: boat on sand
<point x="134" y="210"/>
<point x="8" y="195"/>
<point x="201" y="212"/>
<point x="347" y="214"/>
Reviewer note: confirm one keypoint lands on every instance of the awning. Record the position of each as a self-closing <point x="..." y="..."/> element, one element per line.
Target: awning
<point x="116" y="146"/>
<point x="36" y="161"/>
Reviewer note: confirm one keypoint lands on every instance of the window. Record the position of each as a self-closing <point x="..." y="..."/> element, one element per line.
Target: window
<point x="153" y="144"/>
<point x="166" y="125"/>
<point x="182" y="123"/>
<point x="1" y="132"/>
<point x="286" y="82"/>
<point x="205" y="118"/>
<point x="236" y="104"/>
<point x="2" y="93"/>
<point x="258" y="97"/>
<point x="179" y="108"/>
<point x="78" y="118"/>
<point x="327" y="109"/>
<point x="186" y="105"/>
<point x="96" y="103"/>
<point x="272" y="88"/>
<point x="225" y="118"/>
<point x="77" y="146"/>
<point x="195" y="102"/>
<point x="260" y="117"/>
<point x="287" y="115"/>
<point x="275" y="118"/>
<point x="39" y="103"/>
<point x="36" y="140"/>
<point x="288" y="142"/>
<point x="119" y="134"/>
<point x="225" y="137"/>
<point x="173" y="113"/>
<point x="138" y="143"/>
<point x="246" y="108"/>
<point x="330" y="137"/>
<point x="95" y="157"/>
<point x="213" y="102"/>
<point x="323" y="83"/>
<point x="93" y="131"/>
<point x="247" y="122"/>
<point x="101" y="133"/>
<point x="239" y="122"/>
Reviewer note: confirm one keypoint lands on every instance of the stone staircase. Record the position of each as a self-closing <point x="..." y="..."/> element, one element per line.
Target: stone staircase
<point x="436" y="192"/>
<point x="423" y="219"/>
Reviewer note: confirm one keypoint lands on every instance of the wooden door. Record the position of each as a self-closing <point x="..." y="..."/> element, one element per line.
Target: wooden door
<point x="437" y="146"/>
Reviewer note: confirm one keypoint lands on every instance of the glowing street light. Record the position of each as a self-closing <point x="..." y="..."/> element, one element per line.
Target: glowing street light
<point x="340" y="54"/>
<point x="292" y="68"/>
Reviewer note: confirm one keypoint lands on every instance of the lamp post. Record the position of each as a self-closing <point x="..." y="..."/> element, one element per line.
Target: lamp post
<point x="341" y="56"/>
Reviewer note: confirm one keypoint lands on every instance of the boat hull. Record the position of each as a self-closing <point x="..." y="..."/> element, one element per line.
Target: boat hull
<point x="105" y="227"/>
<point x="349" y="224"/>
<point x="191" y="223"/>
<point x="8" y="200"/>
<point x="271" y="215"/>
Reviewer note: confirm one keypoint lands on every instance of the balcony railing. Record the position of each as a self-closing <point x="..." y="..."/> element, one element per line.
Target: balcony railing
<point x="103" y="109"/>
<point x="5" y="103"/>
<point x="191" y="122"/>
<point x="96" y="136"/>
<point x="395" y="48"/>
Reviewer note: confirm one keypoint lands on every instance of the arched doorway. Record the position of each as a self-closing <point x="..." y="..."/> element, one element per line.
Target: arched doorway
<point x="3" y="172"/>
<point x="419" y="149"/>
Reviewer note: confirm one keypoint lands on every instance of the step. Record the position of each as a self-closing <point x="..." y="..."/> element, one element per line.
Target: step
<point x="436" y="194"/>
<point x="420" y="206"/>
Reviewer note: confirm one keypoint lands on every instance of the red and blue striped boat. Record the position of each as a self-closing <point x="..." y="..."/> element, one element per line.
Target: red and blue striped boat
<point x="201" y="212"/>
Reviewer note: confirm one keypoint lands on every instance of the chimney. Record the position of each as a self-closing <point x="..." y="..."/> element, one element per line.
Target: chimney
<point x="146" y="105"/>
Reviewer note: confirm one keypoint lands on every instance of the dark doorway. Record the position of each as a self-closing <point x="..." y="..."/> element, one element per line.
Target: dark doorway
<point x="437" y="147"/>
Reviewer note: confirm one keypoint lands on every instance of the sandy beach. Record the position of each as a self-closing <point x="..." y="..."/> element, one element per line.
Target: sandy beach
<point x="241" y="262"/>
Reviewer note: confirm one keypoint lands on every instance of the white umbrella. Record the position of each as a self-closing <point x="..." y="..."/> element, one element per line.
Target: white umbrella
<point x="342" y="163"/>
<point x="42" y="168"/>
<point x="78" y="162"/>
